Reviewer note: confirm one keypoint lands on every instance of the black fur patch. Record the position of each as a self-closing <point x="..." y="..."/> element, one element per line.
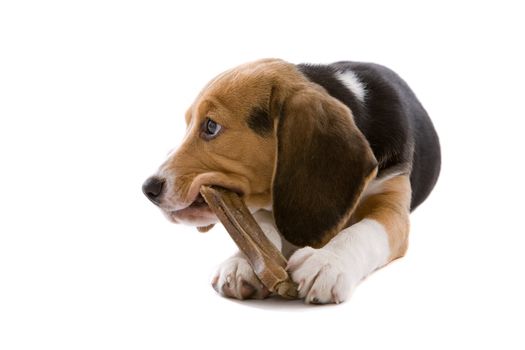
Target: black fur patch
<point x="259" y="121"/>
<point x="392" y="119"/>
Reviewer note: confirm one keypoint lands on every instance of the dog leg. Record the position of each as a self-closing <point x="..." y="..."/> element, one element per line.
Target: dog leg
<point x="235" y="278"/>
<point x="379" y="235"/>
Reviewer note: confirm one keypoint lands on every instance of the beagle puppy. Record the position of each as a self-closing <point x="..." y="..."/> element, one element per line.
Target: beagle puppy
<point x="330" y="159"/>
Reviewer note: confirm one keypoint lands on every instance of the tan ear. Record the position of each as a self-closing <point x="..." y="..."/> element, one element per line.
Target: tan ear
<point x="323" y="165"/>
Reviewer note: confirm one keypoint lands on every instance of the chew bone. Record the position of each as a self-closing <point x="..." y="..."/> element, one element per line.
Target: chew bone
<point x="266" y="260"/>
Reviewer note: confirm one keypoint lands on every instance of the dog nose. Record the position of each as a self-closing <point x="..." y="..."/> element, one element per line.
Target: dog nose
<point x="152" y="188"/>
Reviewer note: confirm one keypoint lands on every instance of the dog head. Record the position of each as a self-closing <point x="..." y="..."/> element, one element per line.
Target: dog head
<point x="280" y="141"/>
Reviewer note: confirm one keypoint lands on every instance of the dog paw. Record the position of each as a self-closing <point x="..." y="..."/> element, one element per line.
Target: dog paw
<point x="322" y="276"/>
<point x="235" y="279"/>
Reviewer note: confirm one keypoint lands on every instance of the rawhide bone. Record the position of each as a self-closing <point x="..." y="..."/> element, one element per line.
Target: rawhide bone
<point x="266" y="260"/>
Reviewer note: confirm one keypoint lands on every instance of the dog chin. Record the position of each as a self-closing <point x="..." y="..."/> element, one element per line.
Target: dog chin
<point x="199" y="217"/>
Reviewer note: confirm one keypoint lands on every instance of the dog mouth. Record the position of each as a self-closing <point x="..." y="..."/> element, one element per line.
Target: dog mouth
<point x="198" y="207"/>
<point x="199" y="202"/>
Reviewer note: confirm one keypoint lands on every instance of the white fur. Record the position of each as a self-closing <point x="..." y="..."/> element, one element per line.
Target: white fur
<point x="266" y="222"/>
<point x="233" y="274"/>
<point x="329" y="274"/>
<point x="353" y="83"/>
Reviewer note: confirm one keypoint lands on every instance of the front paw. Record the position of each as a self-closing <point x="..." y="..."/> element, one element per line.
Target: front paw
<point x="322" y="276"/>
<point x="236" y="279"/>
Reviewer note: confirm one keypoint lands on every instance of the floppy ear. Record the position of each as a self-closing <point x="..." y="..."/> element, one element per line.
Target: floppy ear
<point x="323" y="164"/>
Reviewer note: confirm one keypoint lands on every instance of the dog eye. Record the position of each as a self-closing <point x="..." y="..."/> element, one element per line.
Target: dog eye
<point x="210" y="129"/>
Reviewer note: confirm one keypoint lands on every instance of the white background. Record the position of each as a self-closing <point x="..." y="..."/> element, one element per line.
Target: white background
<point x="92" y="97"/>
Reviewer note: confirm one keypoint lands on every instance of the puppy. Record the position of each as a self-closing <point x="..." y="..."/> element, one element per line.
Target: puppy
<point x="331" y="159"/>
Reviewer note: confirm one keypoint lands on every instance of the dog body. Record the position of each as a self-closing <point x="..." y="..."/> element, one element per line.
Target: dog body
<point x="331" y="159"/>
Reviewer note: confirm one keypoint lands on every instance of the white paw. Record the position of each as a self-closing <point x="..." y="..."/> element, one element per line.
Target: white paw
<point x="235" y="279"/>
<point x="322" y="275"/>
